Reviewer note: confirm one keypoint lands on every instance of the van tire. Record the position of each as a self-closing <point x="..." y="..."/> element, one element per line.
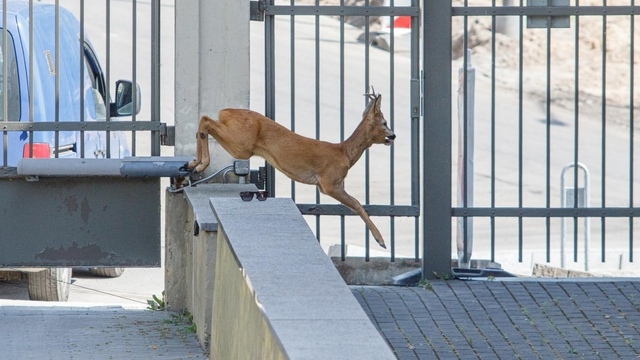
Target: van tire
<point x="51" y="284"/>
<point x="111" y="272"/>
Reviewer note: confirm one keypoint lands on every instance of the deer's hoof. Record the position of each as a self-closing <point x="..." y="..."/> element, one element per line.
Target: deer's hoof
<point x="200" y="168"/>
<point x="192" y="164"/>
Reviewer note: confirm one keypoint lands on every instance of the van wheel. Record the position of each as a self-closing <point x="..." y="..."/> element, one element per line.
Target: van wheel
<point x="106" y="271"/>
<point x="51" y="284"/>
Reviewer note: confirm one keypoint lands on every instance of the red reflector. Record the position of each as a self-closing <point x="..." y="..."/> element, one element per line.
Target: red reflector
<point x="40" y="150"/>
<point x="402" y="22"/>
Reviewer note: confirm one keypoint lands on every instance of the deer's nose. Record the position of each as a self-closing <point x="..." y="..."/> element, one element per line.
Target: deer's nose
<point x="392" y="136"/>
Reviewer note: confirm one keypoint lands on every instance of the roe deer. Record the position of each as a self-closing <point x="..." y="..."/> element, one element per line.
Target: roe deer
<point x="244" y="133"/>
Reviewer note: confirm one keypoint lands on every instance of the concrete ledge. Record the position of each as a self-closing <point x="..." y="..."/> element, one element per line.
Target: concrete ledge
<point x="198" y="198"/>
<point x="277" y="294"/>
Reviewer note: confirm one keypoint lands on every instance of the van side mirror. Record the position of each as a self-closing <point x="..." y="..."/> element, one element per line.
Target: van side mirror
<point x="124" y="99"/>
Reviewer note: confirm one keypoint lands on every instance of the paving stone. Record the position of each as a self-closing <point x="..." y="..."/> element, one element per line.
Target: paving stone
<point x="527" y="319"/>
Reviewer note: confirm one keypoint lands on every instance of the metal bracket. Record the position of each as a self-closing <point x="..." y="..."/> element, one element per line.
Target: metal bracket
<point x="256" y="10"/>
<point x="168" y="135"/>
<point x="462" y="273"/>
<point x="542" y="22"/>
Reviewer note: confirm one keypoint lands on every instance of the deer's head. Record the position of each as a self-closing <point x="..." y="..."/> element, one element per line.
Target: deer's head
<point x="377" y="129"/>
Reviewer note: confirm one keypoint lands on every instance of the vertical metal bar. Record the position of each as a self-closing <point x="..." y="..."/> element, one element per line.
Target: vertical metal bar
<point x="5" y="96"/>
<point x="631" y="127"/>
<point x="108" y="74"/>
<point x="292" y="98"/>
<point x="576" y="129"/>
<point x="392" y="225"/>
<point x="31" y="79"/>
<point x="465" y="138"/>
<point x="57" y="76"/>
<point x="366" y="152"/>
<point x="270" y="89"/>
<point x="520" y="131"/>
<point x="134" y="18"/>
<point x="604" y="129"/>
<point x="493" y="136"/>
<point x="548" y="141"/>
<point x="415" y="125"/>
<point x="436" y="217"/>
<point x="156" y="114"/>
<point x="317" y="91"/>
<point x="82" y="99"/>
<point x="343" y="247"/>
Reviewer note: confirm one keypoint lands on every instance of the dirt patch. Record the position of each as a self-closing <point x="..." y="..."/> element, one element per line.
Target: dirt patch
<point x="603" y="46"/>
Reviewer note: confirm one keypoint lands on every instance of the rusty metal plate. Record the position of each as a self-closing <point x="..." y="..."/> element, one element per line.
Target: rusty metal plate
<point x="80" y="221"/>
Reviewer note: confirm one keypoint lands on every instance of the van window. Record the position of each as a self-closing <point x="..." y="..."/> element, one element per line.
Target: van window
<point x="13" y="89"/>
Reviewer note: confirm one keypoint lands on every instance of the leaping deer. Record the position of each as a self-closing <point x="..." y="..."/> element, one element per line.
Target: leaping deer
<point x="244" y="133"/>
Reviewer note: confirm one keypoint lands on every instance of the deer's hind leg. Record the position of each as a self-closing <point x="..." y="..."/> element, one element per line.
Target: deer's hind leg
<point x="202" y="159"/>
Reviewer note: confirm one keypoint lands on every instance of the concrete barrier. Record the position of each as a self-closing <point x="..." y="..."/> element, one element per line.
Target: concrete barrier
<point x="277" y="294"/>
<point x="190" y="252"/>
<point x="273" y="292"/>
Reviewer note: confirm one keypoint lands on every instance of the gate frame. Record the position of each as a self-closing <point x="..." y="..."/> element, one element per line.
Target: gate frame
<point x="546" y="16"/>
<point x="265" y="10"/>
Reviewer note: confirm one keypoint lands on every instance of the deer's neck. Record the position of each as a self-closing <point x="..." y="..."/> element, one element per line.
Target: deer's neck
<point x="356" y="144"/>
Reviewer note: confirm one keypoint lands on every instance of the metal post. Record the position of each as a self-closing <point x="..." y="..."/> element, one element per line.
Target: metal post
<point x="466" y="106"/>
<point x="155" y="73"/>
<point x="570" y="197"/>
<point x="436" y="215"/>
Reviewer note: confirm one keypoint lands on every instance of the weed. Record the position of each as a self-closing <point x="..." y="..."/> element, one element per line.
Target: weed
<point x="156" y="304"/>
<point x="184" y="318"/>
<point x="426" y="284"/>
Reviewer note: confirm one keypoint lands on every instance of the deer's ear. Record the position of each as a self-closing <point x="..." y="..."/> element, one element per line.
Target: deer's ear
<point x="378" y="102"/>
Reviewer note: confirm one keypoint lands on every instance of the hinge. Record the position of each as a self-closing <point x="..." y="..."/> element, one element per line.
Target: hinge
<point x="167" y="135"/>
<point x="415" y="98"/>
<point x="256" y="10"/>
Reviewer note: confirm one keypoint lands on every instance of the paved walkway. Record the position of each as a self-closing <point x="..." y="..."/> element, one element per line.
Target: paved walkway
<point x="94" y="332"/>
<point x="500" y="319"/>
<point x="530" y="319"/>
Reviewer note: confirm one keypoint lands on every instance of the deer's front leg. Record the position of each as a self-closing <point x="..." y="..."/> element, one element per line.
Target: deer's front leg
<point x="338" y="193"/>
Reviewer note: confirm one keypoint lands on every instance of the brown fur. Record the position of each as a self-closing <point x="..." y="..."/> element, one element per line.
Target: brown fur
<point x="244" y="133"/>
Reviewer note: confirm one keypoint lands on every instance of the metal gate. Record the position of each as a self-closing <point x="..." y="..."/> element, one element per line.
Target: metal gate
<point x="316" y="90"/>
<point x="554" y="91"/>
<point x="61" y="101"/>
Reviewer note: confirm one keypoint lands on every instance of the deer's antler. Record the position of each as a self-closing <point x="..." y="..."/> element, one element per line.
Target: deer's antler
<point x="372" y="95"/>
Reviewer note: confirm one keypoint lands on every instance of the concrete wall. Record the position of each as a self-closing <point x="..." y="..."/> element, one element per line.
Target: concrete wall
<point x="257" y="282"/>
<point x="190" y="252"/>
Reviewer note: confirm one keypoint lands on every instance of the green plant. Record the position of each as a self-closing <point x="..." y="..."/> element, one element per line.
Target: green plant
<point x="426" y="284"/>
<point x="156" y="304"/>
<point x="184" y="318"/>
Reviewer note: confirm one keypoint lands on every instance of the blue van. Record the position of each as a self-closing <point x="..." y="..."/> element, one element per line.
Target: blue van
<point x="79" y="96"/>
<point x="66" y="84"/>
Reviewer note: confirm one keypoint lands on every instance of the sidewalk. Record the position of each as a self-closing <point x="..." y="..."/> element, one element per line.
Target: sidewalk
<point x="516" y="319"/>
<point x="105" y="318"/>
<point x="37" y="330"/>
